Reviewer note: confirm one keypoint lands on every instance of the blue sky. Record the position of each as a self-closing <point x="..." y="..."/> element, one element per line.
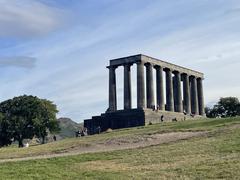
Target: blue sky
<point x="58" y="49"/>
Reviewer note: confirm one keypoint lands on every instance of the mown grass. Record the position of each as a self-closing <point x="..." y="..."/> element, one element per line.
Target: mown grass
<point x="214" y="157"/>
<point x="68" y="144"/>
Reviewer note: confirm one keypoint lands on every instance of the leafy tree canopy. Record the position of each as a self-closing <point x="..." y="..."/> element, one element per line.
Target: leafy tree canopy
<point x="24" y="117"/>
<point x="226" y="107"/>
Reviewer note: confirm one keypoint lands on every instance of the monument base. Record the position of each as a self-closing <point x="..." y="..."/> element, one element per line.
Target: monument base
<point x="132" y="118"/>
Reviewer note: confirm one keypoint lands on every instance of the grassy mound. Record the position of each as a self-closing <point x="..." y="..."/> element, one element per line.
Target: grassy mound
<point x="214" y="156"/>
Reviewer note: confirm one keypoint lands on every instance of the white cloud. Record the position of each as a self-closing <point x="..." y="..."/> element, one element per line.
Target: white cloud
<point x="18" y="61"/>
<point x="71" y="68"/>
<point x="27" y="18"/>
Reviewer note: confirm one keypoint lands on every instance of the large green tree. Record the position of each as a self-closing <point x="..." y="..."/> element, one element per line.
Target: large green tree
<point x="45" y="120"/>
<point x="225" y="107"/>
<point x="28" y="116"/>
<point x="5" y="133"/>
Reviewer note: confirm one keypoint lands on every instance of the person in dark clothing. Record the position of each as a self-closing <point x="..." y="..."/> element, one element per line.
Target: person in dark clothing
<point x="162" y="118"/>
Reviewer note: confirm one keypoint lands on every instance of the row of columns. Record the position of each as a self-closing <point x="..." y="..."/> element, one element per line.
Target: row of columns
<point x="193" y="101"/>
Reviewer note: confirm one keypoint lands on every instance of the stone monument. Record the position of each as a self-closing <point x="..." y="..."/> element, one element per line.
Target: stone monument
<point x="183" y="90"/>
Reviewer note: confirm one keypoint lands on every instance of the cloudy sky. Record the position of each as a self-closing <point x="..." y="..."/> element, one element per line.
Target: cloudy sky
<point x="59" y="49"/>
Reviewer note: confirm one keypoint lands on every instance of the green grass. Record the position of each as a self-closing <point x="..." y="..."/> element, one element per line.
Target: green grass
<point x="67" y="144"/>
<point x="214" y="157"/>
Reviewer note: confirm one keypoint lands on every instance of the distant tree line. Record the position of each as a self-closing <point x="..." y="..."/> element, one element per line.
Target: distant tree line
<point x="225" y="107"/>
<point x="25" y="117"/>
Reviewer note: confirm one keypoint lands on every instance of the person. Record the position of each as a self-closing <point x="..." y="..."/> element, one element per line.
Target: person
<point x="77" y="133"/>
<point x="54" y="138"/>
<point x="99" y="129"/>
<point x="174" y="119"/>
<point x="27" y="144"/>
<point x="153" y="108"/>
<point x="184" y="112"/>
<point x="85" y="132"/>
<point x="162" y="118"/>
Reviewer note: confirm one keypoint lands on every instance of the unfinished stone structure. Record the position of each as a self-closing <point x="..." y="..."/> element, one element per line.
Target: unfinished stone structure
<point x="183" y="95"/>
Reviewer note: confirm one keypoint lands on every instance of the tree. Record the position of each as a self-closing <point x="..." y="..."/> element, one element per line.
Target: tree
<point x="226" y="107"/>
<point x="5" y="133"/>
<point x="46" y="120"/>
<point x="28" y="116"/>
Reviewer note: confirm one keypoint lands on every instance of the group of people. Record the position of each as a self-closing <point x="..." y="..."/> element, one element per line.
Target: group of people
<point x="82" y="132"/>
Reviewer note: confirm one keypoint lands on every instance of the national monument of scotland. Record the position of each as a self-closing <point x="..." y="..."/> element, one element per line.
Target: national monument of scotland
<point x="183" y="95"/>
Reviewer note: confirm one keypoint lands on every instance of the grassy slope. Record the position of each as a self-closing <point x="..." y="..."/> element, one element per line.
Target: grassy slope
<point x="217" y="156"/>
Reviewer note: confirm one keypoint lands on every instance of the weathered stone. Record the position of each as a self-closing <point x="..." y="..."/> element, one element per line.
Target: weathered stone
<point x="194" y="96"/>
<point x="169" y="90"/>
<point x="186" y="94"/>
<point x="200" y="96"/>
<point x="159" y="84"/>
<point x="178" y="92"/>
<point x="127" y="87"/>
<point x="140" y="86"/>
<point x="112" y="89"/>
<point x="150" y="89"/>
<point x="192" y="104"/>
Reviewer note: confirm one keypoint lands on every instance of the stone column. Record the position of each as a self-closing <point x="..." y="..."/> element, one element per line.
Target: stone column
<point x="194" y="96"/>
<point x="112" y="89"/>
<point x="150" y="89"/>
<point x="169" y="90"/>
<point x="159" y="84"/>
<point x="178" y="92"/>
<point x="174" y="92"/>
<point x="127" y="87"/>
<point x="186" y="94"/>
<point x="200" y="96"/>
<point x="140" y="86"/>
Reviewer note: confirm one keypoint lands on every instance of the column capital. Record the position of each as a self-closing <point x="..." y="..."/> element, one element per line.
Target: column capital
<point x="184" y="74"/>
<point x="176" y="72"/>
<point x="127" y="64"/>
<point x="157" y="67"/>
<point x="199" y="78"/>
<point x="167" y="69"/>
<point x="140" y="62"/>
<point x="148" y="64"/>
<point x="112" y="67"/>
<point x="192" y="77"/>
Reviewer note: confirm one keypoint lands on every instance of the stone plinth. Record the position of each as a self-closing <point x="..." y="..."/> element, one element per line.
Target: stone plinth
<point x="132" y="118"/>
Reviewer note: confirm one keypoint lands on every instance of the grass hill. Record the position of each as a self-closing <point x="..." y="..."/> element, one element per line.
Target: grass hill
<point x="196" y="149"/>
<point x="68" y="127"/>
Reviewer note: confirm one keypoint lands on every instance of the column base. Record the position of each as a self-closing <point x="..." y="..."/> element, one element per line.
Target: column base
<point x="132" y="118"/>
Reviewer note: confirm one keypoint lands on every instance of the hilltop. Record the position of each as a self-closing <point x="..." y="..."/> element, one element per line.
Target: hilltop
<point x="197" y="149"/>
<point x="68" y="127"/>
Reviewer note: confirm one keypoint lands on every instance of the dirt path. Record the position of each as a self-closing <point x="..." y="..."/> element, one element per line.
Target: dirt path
<point x="120" y="144"/>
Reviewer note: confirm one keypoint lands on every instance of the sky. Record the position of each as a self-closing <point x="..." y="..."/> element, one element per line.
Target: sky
<point x="59" y="49"/>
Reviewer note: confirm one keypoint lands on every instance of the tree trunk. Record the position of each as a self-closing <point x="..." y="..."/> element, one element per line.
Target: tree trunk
<point x="43" y="139"/>
<point x="20" y="143"/>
